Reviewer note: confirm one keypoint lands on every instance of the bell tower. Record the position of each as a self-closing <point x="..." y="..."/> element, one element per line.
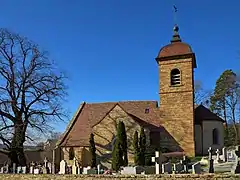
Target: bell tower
<point x="176" y="62"/>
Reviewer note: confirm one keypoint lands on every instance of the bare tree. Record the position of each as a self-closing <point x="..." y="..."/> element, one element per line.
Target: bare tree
<point x="31" y="92"/>
<point x="201" y="96"/>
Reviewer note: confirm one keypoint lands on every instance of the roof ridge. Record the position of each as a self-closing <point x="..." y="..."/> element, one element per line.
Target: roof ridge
<point x="123" y="101"/>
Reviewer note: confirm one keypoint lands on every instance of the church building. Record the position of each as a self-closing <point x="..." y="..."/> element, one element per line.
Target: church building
<point x="174" y="124"/>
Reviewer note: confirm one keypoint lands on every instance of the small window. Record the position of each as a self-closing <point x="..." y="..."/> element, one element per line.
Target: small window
<point x="146" y="110"/>
<point x="175" y="77"/>
<point x="71" y="153"/>
<point x="215" y="136"/>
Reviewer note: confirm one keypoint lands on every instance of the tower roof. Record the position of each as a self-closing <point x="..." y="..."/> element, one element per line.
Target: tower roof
<point x="176" y="48"/>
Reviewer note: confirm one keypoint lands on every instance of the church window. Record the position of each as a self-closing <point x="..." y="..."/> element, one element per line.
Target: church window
<point x="146" y="110"/>
<point x="71" y="153"/>
<point x="175" y="77"/>
<point x="215" y="136"/>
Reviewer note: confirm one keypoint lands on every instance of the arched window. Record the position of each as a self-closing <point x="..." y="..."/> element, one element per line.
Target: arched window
<point x="215" y="136"/>
<point x="175" y="77"/>
<point x="71" y="153"/>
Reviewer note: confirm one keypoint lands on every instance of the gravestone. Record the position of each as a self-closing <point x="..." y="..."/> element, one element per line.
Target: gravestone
<point x="85" y="169"/>
<point x="167" y="168"/>
<point x="231" y="157"/>
<point x="178" y="167"/>
<point x="196" y="168"/>
<point x="14" y="168"/>
<point x="184" y="162"/>
<point x="74" y="166"/>
<point x="132" y="170"/>
<point x="6" y="169"/>
<point x="31" y="170"/>
<point x="236" y="168"/>
<point x="36" y="171"/>
<point x="49" y="166"/>
<point x="98" y="168"/>
<point x="63" y="167"/>
<point x="91" y="171"/>
<point x="157" y="161"/>
<point x="19" y="170"/>
<point x="217" y="160"/>
<point x="24" y="169"/>
<point x="211" y="168"/>
<point x="224" y="154"/>
<point x="45" y="169"/>
<point x="1" y="170"/>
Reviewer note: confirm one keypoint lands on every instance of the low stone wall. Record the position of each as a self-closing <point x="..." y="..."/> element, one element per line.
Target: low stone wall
<point x="122" y="177"/>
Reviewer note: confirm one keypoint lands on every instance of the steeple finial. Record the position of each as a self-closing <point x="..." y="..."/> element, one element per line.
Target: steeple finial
<point x="176" y="37"/>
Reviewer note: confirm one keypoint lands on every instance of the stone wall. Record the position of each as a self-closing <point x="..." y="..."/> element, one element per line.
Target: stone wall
<point x="176" y="104"/>
<point x="105" y="134"/>
<point x="122" y="177"/>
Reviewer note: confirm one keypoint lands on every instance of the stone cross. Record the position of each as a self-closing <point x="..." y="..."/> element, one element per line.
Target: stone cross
<point x="45" y="162"/>
<point x="211" y="169"/>
<point x="224" y="154"/>
<point x="210" y="151"/>
<point x="157" y="161"/>
<point x="218" y="155"/>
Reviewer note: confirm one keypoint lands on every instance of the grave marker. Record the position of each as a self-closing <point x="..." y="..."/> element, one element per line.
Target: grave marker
<point x="211" y="168"/>
<point x="63" y="167"/>
<point x="167" y="168"/>
<point x="157" y="161"/>
<point x="196" y="168"/>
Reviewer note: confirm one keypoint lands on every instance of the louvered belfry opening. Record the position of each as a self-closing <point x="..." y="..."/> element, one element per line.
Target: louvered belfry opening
<point x="175" y="77"/>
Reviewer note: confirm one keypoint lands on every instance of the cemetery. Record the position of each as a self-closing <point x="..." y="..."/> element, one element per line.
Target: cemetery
<point x="222" y="163"/>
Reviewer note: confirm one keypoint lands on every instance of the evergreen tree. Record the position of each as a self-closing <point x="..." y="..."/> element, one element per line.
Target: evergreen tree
<point x="226" y="101"/>
<point x="92" y="149"/>
<point x="117" y="156"/>
<point x="136" y="148"/>
<point x="123" y="142"/>
<point x="142" y="147"/>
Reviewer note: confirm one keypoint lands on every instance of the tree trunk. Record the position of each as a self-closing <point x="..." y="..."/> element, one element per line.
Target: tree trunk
<point x="16" y="154"/>
<point x="235" y="127"/>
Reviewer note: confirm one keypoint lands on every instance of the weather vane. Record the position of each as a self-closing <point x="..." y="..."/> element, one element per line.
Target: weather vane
<point x="175" y="29"/>
<point x="175" y="14"/>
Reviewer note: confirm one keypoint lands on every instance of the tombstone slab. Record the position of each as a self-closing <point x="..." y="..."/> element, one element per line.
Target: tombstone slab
<point x="178" y="167"/>
<point x="63" y="167"/>
<point x="196" y="168"/>
<point x="167" y="168"/>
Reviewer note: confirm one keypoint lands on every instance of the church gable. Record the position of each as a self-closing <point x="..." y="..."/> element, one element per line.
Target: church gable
<point x="105" y="131"/>
<point x="90" y="115"/>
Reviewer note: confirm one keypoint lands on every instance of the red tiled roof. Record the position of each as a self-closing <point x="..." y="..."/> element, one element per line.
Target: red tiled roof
<point x="175" y="49"/>
<point x="88" y="115"/>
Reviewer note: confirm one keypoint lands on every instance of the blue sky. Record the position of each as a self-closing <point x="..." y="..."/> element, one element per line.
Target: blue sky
<point x="108" y="47"/>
